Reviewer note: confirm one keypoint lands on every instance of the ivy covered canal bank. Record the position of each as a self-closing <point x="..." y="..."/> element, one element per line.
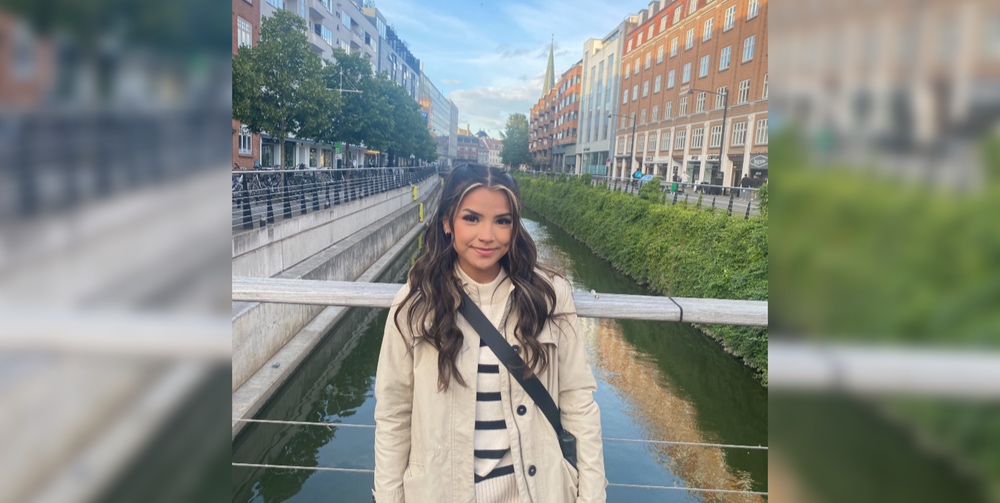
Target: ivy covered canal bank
<point x="676" y="250"/>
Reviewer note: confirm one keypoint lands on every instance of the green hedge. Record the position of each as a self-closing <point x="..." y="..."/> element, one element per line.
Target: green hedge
<point x="674" y="250"/>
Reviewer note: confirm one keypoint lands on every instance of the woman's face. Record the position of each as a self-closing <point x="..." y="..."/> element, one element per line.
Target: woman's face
<point x="481" y="232"/>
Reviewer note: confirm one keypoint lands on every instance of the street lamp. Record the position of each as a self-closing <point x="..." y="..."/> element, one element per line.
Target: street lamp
<point x="631" y="139"/>
<point x="725" y="109"/>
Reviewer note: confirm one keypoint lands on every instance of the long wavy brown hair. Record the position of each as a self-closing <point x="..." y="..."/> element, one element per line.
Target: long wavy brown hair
<point x="434" y="296"/>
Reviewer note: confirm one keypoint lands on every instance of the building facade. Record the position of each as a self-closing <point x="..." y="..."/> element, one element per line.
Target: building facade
<point x="598" y="103"/>
<point x="394" y="57"/>
<point x="694" y="83"/>
<point x="540" y="131"/>
<point x="437" y="110"/>
<point x="493" y="147"/>
<point x="567" y="119"/>
<point x="246" y="33"/>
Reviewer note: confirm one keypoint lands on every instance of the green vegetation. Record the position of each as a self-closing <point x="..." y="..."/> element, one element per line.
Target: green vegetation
<point x="675" y="250"/>
<point x="515" y="141"/>
<point x="867" y="259"/>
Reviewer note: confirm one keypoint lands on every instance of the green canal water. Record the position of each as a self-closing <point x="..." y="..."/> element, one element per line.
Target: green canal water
<point x="656" y="381"/>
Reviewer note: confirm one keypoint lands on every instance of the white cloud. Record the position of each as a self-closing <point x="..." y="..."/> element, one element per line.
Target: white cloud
<point x="488" y="107"/>
<point x="450" y="82"/>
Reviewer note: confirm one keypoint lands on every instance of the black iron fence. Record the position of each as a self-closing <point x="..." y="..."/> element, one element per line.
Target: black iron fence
<point x="260" y="197"/>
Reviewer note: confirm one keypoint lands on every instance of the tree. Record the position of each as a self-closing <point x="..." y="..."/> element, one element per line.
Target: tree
<point x="515" y="141"/>
<point x="278" y="84"/>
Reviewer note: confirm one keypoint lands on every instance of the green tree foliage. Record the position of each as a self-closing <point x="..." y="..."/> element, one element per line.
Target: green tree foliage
<point x="675" y="250"/>
<point x="277" y="84"/>
<point x="515" y="141"/>
<point x="280" y="86"/>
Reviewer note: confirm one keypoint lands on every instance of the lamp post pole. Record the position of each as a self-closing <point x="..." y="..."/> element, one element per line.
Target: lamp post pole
<point x="725" y="110"/>
<point x="631" y="148"/>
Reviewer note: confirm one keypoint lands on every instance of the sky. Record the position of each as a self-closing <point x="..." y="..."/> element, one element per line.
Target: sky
<point x="489" y="57"/>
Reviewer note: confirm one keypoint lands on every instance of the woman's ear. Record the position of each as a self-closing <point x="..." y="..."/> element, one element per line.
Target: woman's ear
<point x="447" y="227"/>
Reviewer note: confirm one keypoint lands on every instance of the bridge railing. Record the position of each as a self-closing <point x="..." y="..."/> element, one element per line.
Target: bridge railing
<point x="260" y="197"/>
<point x="588" y="305"/>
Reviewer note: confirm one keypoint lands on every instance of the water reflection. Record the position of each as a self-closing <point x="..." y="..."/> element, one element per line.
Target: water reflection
<point x="672" y="381"/>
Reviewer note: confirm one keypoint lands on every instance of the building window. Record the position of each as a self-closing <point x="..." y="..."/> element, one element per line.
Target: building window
<point x="652" y="141"/>
<point x="724" y="57"/>
<point x="627" y="68"/>
<point x="655" y="113"/>
<point x="645" y="88"/>
<point x="670" y="79"/>
<point x="677" y="15"/>
<point x="706" y="32"/>
<point x="621" y="145"/>
<point x="684" y="107"/>
<point x="245" y="140"/>
<point x="673" y="47"/>
<point x="642" y="116"/>
<point x="625" y="97"/>
<point x="689" y="40"/>
<point x="716" y="139"/>
<point x="679" y="139"/>
<point x="686" y="73"/>
<point x="748" y="48"/>
<point x="244" y="36"/>
<point x="346" y="20"/>
<point x="761" y="132"/>
<point x="638" y="40"/>
<point x="650" y="34"/>
<point x="649" y="59"/>
<point x="635" y="92"/>
<point x="692" y="5"/>
<point x="720" y="97"/>
<point x="730" y="19"/>
<point x="703" y="67"/>
<point x="752" y="7"/>
<point x="764" y="95"/>
<point x="279" y="4"/>
<point x="744" y="91"/>
<point x="665" y="141"/>
<point x="635" y="70"/>
<point x="629" y="48"/>
<point x="739" y="133"/>
<point x="668" y="110"/>
<point x="659" y="54"/>
<point x="700" y="102"/>
<point x="663" y="23"/>
<point x="656" y="84"/>
<point x="697" y="137"/>
<point x="325" y="33"/>
<point x="640" y="143"/>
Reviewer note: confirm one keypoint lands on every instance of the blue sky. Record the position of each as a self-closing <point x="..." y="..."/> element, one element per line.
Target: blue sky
<point x="489" y="57"/>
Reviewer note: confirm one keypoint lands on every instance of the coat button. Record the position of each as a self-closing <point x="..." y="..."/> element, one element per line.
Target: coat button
<point x="517" y="349"/>
<point x="531" y="470"/>
<point x="521" y="410"/>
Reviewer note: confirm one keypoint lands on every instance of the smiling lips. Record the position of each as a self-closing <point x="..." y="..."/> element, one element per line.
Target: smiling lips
<point x="485" y="252"/>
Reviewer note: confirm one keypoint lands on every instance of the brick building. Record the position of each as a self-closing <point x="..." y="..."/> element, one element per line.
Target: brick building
<point x="689" y="64"/>
<point x="566" y="119"/>
<point x="246" y="32"/>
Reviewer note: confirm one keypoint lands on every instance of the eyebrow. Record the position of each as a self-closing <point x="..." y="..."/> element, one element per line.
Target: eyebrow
<point x="473" y="213"/>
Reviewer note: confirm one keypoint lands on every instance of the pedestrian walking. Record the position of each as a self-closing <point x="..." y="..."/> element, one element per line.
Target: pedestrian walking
<point x="745" y="183"/>
<point x="476" y="314"/>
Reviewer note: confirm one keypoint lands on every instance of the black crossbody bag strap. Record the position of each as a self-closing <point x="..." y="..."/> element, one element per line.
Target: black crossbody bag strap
<point x="510" y="359"/>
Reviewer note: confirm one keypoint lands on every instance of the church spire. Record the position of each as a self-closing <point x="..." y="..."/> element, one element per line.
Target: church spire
<point x="549" y="81"/>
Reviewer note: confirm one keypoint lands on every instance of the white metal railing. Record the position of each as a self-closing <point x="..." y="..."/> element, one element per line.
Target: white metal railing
<point x="588" y="305"/>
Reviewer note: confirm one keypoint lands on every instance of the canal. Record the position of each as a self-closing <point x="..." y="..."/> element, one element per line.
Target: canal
<point x="656" y="381"/>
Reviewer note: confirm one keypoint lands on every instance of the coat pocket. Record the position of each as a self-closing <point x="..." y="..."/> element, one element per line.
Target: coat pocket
<point x="415" y="483"/>
<point x="570" y="481"/>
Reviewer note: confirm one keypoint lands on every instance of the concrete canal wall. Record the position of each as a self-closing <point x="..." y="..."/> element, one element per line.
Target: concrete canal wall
<point x="353" y="241"/>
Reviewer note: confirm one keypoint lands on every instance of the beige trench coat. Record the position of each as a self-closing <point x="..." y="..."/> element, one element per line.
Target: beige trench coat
<point x="424" y="437"/>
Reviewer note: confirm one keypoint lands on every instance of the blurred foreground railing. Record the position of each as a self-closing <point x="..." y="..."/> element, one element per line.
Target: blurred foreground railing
<point x="260" y="197"/>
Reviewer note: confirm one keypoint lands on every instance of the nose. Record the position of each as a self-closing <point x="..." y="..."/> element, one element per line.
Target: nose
<point x="487" y="235"/>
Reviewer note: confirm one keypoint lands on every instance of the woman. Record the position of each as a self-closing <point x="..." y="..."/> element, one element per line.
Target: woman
<point x="452" y="424"/>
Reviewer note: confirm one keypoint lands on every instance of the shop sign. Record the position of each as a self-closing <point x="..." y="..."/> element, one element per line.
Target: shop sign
<point x="694" y="158"/>
<point x="712" y="157"/>
<point x="758" y="161"/>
